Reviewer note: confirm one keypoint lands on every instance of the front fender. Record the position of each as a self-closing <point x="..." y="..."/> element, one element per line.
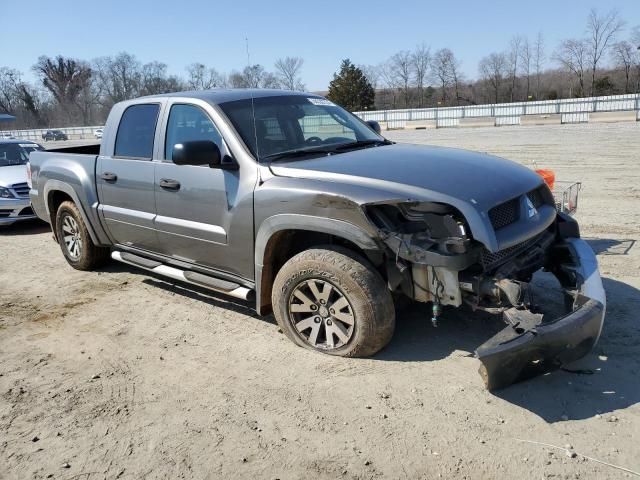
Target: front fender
<point x="281" y="222"/>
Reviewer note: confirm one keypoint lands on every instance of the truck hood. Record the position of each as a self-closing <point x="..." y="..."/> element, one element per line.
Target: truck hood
<point x="421" y="172"/>
<point x="13" y="174"/>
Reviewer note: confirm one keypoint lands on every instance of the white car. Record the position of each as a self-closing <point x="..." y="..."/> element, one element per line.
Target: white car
<point x="14" y="190"/>
<point x="98" y="132"/>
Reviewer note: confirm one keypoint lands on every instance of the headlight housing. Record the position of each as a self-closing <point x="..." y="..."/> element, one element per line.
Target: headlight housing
<point x="5" y="193"/>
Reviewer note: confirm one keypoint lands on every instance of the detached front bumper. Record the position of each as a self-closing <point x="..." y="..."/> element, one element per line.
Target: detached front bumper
<point x="515" y="354"/>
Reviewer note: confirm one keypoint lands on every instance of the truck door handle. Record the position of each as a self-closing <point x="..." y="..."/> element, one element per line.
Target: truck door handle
<point x="109" y="177"/>
<point x="169" y="184"/>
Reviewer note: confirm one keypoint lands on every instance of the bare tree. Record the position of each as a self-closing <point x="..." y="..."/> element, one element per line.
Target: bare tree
<point x="602" y="31"/>
<point x="526" y="59"/>
<point x="390" y="82"/>
<point x="456" y="75"/>
<point x="64" y="78"/>
<point x="421" y="58"/>
<point x="10" y="79"/>
<point x="373" y="74"/>
<point x="635" y="41"/>
<point x="623" y="55"/>
<point x="441" y="71"/>
<point x="288" y="73"/>
<point x="573" y="56"/>
<point x="538" y="60"/>
<point x="253" y="76"/>
<point x="156" y="81"/>
<point x="445" y="70"/>
<point x="401" y="68"/>
<point x="493" y="69"/>
<point x="514" y="56"/>
<point x="270" y="80"/>
<point x="119" y="78"/>
<point x="32" y="103"/>
<point x="20" y="98"/>
<point x="203" y="78"/>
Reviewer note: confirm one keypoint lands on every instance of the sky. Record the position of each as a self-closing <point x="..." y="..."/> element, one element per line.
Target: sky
<point x="323" y="33"/>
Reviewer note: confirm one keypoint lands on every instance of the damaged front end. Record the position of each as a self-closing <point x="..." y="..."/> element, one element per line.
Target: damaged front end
<point x="432" y="257"/>
<point x="532" y="343"/>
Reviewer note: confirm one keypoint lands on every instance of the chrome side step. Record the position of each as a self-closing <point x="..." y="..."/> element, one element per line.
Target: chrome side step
<point x="194" y="278"/>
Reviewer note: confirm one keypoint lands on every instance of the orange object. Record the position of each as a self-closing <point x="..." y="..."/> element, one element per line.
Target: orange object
<point x="549" y="177"/>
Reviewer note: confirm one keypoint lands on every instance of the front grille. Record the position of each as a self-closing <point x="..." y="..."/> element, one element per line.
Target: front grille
<point x="491" y="260"/>
<point x="21" y="189"/>
<point x="537" y="197"/>
<point x="5" y="213"/>
<point x="505" y="213"/>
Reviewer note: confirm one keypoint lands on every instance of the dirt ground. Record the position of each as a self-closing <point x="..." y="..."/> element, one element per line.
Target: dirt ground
<point x="119" y="374"/>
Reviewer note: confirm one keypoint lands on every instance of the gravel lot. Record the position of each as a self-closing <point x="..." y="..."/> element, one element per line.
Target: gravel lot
<point x="118" y="374"/>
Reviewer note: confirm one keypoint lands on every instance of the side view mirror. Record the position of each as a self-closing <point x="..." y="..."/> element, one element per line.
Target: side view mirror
<point x="197" y="152"/>
<point x="375" y="126"/>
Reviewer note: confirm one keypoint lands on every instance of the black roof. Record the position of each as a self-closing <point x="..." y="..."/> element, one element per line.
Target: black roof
<point x="222" y="95"/>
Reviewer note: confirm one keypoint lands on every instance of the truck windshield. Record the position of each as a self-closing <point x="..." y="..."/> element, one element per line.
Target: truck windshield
<point x="16" y="153"/>
<point x="293" y="125"/>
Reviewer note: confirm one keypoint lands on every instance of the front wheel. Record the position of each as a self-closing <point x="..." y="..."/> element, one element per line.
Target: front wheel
<point x="74" y="239"/>
<point x="333" y="301"/>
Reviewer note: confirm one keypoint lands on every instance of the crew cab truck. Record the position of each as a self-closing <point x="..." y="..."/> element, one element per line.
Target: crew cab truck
<point x="287" y="200"/>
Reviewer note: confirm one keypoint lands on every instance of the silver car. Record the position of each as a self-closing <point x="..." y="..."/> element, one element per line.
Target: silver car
<point x="14" y="190"/>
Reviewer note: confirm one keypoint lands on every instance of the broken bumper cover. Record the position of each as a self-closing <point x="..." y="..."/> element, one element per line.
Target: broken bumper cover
<point x="513" y="355"/>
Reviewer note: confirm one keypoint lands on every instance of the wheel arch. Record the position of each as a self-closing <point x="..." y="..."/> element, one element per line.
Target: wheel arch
<point x="280" y="237"/>
<point x="57" y="192"/>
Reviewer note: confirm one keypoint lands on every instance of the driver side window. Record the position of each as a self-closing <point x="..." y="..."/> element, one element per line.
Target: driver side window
<point x="187" y="123"/>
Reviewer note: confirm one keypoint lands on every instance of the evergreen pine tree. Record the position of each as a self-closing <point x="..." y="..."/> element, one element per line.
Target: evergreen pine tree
<point x="351" y="89"/>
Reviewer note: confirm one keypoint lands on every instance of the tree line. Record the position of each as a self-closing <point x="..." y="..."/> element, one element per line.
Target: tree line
<point x="72" y="92"/>
<point x="605" y="60"/>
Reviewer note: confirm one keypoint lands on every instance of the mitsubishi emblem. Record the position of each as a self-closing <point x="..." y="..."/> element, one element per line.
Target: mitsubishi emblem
<point x="531" y="210"/>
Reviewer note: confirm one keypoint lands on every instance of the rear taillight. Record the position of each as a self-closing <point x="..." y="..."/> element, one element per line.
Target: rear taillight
<point x="29" y="176"/>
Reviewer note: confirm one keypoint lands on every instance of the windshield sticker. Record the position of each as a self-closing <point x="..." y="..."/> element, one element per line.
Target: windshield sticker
<point x="321" y="101"/>
<point x="28" y="145"/>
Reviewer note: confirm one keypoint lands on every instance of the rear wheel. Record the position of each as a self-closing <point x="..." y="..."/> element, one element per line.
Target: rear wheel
<point x="74" y="239"/>
<point x="333" y="301"/>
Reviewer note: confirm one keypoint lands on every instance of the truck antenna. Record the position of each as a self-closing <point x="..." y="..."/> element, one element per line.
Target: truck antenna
<point x="253" y="108"/>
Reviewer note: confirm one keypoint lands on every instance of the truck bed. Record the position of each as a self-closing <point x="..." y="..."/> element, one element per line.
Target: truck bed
<point x="89" y="149"/>
<point x="69" y="170"/>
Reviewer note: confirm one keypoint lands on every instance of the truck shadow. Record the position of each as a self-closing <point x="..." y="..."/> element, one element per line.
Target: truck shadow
<point x="610" y="246"/>
<point x="613" y="384"/>
<point x="25" y="227"/>
<point x="602" y="382"/>
<point x="207" y="296"/>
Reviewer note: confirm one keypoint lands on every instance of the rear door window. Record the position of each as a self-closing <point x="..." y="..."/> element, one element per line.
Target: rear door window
<point x="136" y="132"/>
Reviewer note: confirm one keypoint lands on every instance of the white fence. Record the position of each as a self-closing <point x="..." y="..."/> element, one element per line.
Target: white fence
<point x="74" y="133"/>
<point x="551" y="111"/>
<point x="572" y="110"/>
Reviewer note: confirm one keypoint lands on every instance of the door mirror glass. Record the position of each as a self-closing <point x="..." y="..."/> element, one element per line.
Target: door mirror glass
<point x="197" y="152"/>
<point x="375" y="126"/>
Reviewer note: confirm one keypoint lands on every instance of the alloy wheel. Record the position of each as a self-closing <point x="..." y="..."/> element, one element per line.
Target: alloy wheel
<point x="321" y="314"/>
<point x="72" y="239"/>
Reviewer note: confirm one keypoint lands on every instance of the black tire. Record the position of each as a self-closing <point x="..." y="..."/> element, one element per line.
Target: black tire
<point x="370" y="306"/>
<point x="87" y="256"/>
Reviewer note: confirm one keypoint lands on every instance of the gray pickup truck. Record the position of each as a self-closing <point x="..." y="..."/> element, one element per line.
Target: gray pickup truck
<point x="289" y="201"/>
